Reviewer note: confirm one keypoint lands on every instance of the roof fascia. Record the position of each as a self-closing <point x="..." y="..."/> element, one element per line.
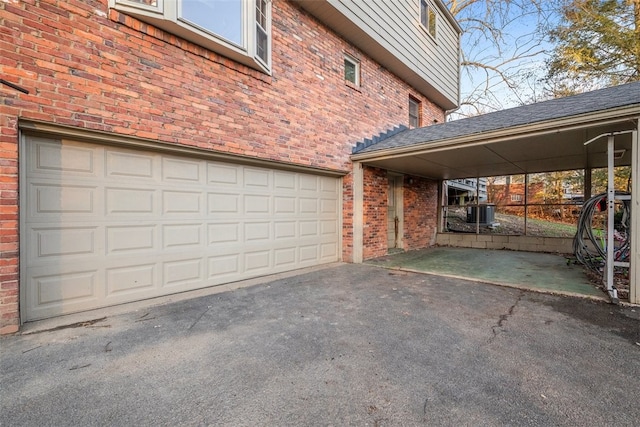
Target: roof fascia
<point x="447" y="13"/>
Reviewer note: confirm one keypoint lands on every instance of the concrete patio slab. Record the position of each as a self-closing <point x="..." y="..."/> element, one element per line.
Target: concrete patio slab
<point x="345" y="345"/>
<point x="526" y="270"/>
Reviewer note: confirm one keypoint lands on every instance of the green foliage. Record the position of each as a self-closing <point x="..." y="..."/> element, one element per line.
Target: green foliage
<point x="597" y="44"/>
<point x="621" y="179"/>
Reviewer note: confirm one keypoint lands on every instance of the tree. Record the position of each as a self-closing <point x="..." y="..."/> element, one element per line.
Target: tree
<point x="597" y="44"/>
<point x="502" y="49"/>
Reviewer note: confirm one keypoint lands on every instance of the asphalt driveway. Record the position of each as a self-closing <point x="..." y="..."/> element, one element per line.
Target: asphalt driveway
<point x="346" y="345"/>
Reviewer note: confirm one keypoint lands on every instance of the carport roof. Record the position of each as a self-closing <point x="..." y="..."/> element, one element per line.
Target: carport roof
<point x="540" y="137"/>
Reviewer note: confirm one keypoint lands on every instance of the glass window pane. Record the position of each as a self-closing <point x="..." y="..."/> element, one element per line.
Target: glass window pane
<point x="220" y="17"/>
<point x="423" y="12"/>
<point x="432" y="22"/>
<point x="261" y="13"/>
<point x="350" y="71"/>
<point x="262" y="45"/>
<point x="414" y="113"/>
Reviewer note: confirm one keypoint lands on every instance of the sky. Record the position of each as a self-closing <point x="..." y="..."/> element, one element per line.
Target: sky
<point x="520" y="54"/>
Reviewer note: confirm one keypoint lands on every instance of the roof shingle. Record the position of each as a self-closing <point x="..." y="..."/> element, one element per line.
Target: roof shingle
<point x="589" y="102"/>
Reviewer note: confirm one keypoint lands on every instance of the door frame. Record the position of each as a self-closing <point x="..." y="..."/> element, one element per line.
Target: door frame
<point x="397" y="181"/>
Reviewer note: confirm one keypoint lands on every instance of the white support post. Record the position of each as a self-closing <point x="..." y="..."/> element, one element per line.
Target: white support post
<point x="477" y="205"/>
<point x="611" y="204"/>
<point x="358" y="212"/>
<point x="526" y="201"/>
<point x="634" y="273"/>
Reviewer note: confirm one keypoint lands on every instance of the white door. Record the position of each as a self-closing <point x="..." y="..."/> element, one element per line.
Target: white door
<point x="106" y="225"/>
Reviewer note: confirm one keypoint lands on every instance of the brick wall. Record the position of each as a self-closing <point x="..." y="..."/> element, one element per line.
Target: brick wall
<point x="376" y="186"/>
<point x="94" y="68"/>
<point x="420" y="198"/>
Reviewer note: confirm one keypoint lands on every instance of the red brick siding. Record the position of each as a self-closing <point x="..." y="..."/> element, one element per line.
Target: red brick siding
<point x="376" y="187"/>
<point x="9" y="262"/>
<point x="90" y="67"/>
<point x="420" y="200"/>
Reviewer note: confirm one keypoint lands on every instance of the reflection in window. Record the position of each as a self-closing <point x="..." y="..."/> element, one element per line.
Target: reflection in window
<point x="351" y="70"/>
<point x="414" y="113"/>
<point x="262" y="41"/>
<point x="220" y="17"/>
<point x="153" y="3"/>
<point x="428" y="17"/>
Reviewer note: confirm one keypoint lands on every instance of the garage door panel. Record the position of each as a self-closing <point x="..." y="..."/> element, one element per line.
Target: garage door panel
<point x="257" y="231"/>
<point x="257" y="261"/>
<point x="48" y="243"/>
<point x="51" y="158"/>
<point x="135" y="278"/>
<point x="259" y="178"/>
<point x="228" y="232"/>
<point x="58" y="290"/>
<point x="127" y="164"/>
<point x="256" y="204"/>
<point x="284" y="181"/>
<point x="223" y="174"/>
<point x="223" y="203"/>
<point x="48" y="199"/>
<point x="328" y="227"/>
<point x="329" y="206"/>
<point x="183" y="272"/>
<point x="179" y="171"/>
<point x="124" y="225"/>
<point x="308" y="206"/>
<point x="308" y="183"/>
<point x="309" y="228"/>
<point x="223" y="266"/>
<point x="284" y="205"/>
<point x="183" y="236"/>
<point x="308" y="253"/>
<point x="285" y="230"/>
<point x="284" y="257"/>
<point x="328" y="251"/>
<point x="329" y="185"/>
<point x="130" y="238"/>
<point x="183" y="203"/>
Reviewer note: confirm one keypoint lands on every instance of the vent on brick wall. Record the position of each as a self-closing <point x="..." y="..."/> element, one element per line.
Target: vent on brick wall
<point x="375" y="139"/>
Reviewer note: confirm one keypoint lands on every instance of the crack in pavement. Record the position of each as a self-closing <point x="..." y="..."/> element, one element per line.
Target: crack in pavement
<point x="504" y="317"/>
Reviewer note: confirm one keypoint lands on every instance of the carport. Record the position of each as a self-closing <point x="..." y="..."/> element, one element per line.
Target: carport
<point x="577" y="132"/>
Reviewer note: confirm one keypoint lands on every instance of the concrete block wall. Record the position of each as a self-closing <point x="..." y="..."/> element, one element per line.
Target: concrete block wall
<point x="562" y="245"/>
<point x="90" y="67"/>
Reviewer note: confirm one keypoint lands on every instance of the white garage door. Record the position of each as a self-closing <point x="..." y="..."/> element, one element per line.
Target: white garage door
<point x="106" y="225"/>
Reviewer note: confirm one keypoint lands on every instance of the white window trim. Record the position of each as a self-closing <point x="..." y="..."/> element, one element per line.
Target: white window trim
<point x="166" y="17"/>
<point x="356" y="62"/>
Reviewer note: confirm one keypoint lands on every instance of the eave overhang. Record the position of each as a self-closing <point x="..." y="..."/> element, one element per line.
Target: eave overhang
<point x="549" y="145"/>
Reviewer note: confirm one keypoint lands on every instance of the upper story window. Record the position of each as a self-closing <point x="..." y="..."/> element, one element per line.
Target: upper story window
<point x="428" y="17"/>
<point x="238" y="29"/>
<point x="414" y="113"/>
<point x="351" y="70"/>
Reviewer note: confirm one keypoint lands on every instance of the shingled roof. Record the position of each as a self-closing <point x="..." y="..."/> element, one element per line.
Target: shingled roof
<point x="586" y="103"/>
